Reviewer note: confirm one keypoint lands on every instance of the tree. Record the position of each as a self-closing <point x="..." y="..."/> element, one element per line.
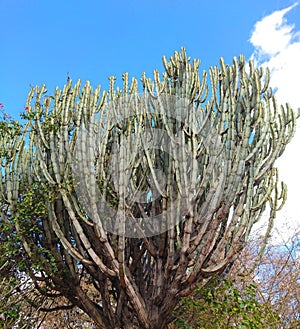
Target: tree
<point x="143" y="196"/>
<point x="259" y="292"/>
<point x="14" y="285"/>
<point x="276" y="277"/>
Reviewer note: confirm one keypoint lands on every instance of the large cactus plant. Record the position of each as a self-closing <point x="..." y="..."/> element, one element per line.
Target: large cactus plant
<point x="126" y="200"/>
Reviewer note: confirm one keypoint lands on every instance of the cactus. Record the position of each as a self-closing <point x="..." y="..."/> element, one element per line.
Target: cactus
<point x="144" y="192"/>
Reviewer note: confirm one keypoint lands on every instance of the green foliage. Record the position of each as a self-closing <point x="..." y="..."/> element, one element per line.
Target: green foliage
<point x="31" y="211"/>
<point x="225" y="307"/>
<point x="12" y="296"/>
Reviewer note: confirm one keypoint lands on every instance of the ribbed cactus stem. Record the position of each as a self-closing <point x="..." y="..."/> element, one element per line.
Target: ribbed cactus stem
<point x="191" y="157"/>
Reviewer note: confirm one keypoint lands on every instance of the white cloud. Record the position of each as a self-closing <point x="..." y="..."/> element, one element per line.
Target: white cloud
<point x="272" y="34"/>
<point x="277" y="46"/>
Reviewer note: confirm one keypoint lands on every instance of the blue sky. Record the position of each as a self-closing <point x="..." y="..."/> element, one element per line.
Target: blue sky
<point x="41" y="41"/>
<point x="44" y="41"/>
